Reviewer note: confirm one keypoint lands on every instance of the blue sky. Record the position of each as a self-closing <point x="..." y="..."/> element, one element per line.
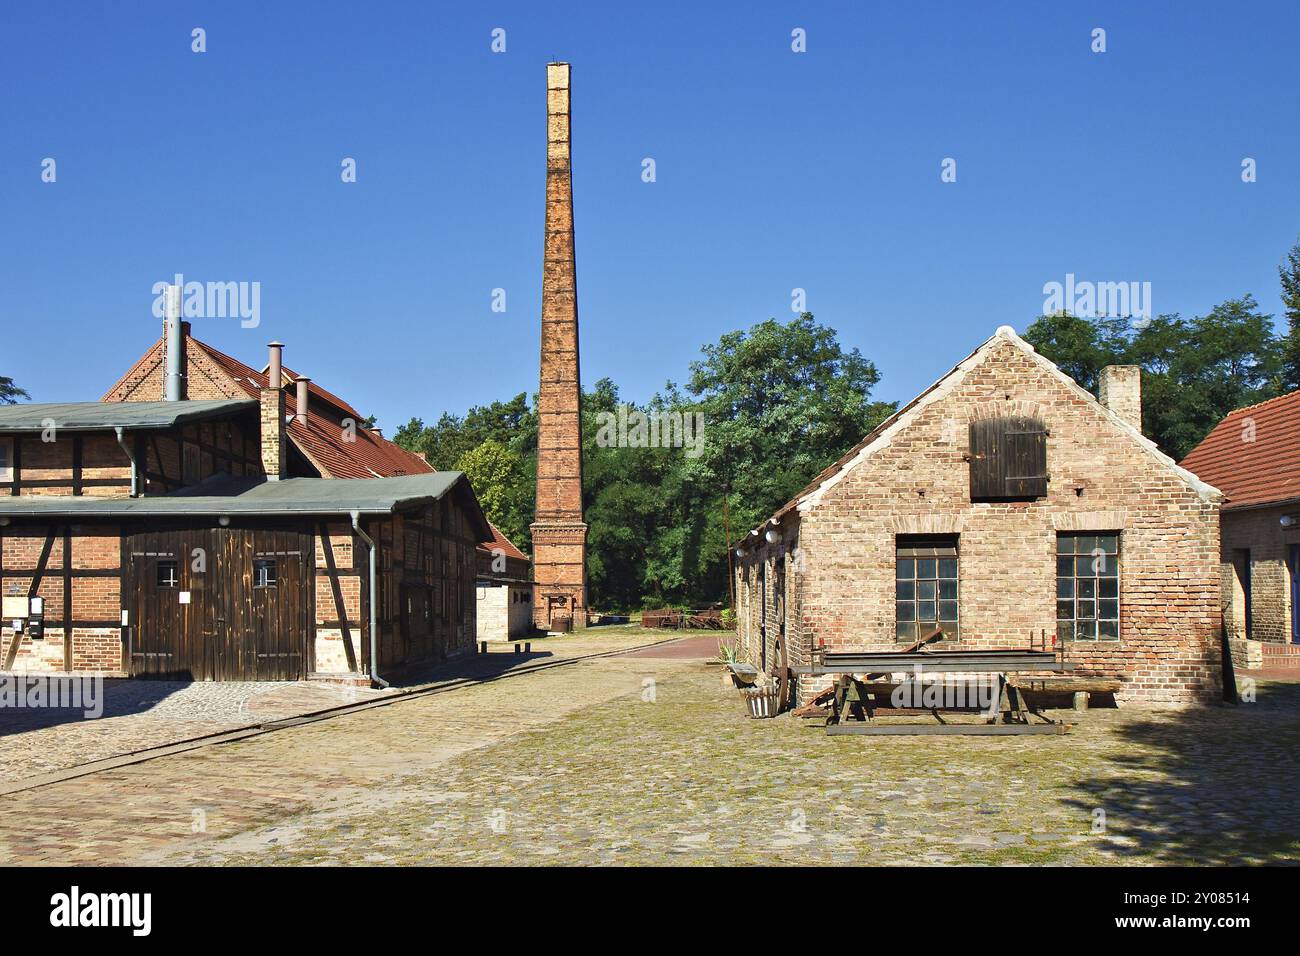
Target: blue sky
<point x="775" y="170"/>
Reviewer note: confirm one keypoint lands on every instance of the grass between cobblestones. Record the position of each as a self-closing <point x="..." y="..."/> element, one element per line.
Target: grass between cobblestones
<point x="684" y="777"/>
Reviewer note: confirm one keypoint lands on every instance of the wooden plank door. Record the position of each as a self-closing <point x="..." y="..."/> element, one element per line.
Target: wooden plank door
<point x="156" y="647"/>
<point x="278" y="605"/>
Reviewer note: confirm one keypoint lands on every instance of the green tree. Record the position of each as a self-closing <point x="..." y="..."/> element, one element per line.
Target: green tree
<point x="780" y="403"/>
<point x="9" y="392"/>
<point x="1289" y="273"/>
<point x="1080" y="347"/>
<point x="1193" y="372"/>
<point x="500" y="479"/>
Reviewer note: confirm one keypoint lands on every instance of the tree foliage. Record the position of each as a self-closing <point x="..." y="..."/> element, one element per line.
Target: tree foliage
<point x="500" y="478"/>
<point x="1289" y="274"/>
<point x="9" y="392"/>
<point x="777" y="402"/>
<point x="1194" y="371"/>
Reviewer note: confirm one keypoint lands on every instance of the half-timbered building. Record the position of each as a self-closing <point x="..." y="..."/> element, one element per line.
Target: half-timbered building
<point x="255" y="530"/>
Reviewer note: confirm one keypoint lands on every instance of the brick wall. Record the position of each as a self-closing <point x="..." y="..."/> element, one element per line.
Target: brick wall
<point x="1257" y="535"/>
<point x="96" y="597"/>
<point x="839" y="554"/>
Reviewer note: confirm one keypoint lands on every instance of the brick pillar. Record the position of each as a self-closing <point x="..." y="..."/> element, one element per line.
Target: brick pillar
<point x="559" y="532"/>
<point x="1120" y="390"/>
<point x="272" y="429"/>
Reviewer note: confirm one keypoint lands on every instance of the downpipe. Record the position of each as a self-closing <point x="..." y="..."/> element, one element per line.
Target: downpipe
<point x="374" y="607"/>
<point x="135" y="471"/>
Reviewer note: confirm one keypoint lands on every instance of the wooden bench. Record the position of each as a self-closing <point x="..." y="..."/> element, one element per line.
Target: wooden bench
<point x="1079" y="688"/>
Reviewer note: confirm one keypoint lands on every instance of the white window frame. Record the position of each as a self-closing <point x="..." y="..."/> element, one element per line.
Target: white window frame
<point x="6" y="459"/>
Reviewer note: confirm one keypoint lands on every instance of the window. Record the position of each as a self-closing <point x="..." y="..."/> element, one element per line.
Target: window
<point x="1008" y="459"/>
<point x="925" y="587"/>
<point x="167" y="574"/>
<point x="6" y="459"/>
<point x="264" y="574"/>
<point x="1087" y="587"/>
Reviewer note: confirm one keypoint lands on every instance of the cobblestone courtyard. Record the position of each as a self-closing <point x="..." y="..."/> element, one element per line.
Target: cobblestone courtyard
<point x="647" y="759"/>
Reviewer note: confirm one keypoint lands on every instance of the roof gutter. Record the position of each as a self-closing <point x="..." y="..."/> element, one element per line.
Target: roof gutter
<point x="374" y="607"/>
<point x="135" y="471"/>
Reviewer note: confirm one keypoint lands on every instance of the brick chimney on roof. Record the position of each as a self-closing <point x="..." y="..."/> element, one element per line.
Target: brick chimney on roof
<point x="1120" y="389"/>
<point x="559" y="532"/>
<point x="272" y="420"/>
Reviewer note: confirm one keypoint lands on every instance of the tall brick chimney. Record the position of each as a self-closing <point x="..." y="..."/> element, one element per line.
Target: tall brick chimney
<point x="1120" y="390"/>
<point x="272" y="418"/>
<point x="559" y="532"/>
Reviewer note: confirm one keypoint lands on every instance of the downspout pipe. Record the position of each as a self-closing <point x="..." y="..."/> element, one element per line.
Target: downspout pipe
<point x="135" y="471"/>
<point x="374" y="592"/>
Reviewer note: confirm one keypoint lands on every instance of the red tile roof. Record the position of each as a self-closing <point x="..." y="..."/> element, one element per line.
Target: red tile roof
<point x="502" y="543"/>
<point x="1253" y="455"/>
<point x="322" y="440"/>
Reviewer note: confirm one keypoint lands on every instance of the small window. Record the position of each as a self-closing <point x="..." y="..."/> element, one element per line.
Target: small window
<point x="6" y="459"/>
<point x="167" y="574"/>
<point x="264" y="573"/>
<point x="1008" y="459"/>
<point x="1087" y="587"/>
<point x="925" y="587"/>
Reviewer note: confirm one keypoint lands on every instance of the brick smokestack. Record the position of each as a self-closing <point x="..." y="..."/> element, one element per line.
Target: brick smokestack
<point x="1120" y="390"/>
<point x="272" y="418"/>
<point x="559" y="533"/>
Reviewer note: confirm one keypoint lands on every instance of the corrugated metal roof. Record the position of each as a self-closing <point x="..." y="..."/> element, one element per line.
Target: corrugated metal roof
<point x="1253" y="455"/>
<point x="233" y="496"/>
<point x="105" y="416"/>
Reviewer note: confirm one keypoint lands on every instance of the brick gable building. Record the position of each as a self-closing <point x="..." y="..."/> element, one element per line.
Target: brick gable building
<point x="1003" y="504"/>
<point x="1253" y="455"/>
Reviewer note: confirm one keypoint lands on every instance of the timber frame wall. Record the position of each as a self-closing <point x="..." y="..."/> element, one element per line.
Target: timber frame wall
<point x="77" y="568"/>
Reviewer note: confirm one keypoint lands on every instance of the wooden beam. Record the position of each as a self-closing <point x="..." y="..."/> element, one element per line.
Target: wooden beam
<point x="67" y="589"/>
<point x="31" y="592"/>
<point x="340" y="608"/>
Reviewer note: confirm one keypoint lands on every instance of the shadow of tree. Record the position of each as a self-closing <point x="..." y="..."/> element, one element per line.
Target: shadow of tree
<point x="1212" y="785"/>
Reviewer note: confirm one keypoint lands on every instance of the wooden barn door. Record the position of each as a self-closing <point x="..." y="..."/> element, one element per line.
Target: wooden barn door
<point x="221" y="604"/>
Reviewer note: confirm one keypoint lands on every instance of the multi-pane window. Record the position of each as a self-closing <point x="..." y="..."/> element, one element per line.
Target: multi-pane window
<point x="925" y="587"/>
<point x="167" y="574"/>
<point x="264" y="574"/>
<point x="6" y="459"/>
<point x="1087" y="587"/>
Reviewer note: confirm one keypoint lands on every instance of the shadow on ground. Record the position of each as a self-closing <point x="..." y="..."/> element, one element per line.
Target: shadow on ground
<point x="117" y="696"/>
<point x="1207" y="785"/>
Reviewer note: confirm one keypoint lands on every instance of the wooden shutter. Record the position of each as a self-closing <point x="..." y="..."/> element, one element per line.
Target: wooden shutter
<point x="1008" y="459"/>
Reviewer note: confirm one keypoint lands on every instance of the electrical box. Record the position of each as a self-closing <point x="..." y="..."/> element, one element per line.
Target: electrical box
<point x="36" y="619"/>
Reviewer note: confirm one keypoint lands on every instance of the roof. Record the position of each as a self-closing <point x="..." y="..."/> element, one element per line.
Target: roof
<point x="1253" y="454"/>
<point x="499" y="542"/>
<point x="321" y="440"/>
<point x="883" y="434"/>
<point x="224" y="495"/>
<point x="106" y="416"/>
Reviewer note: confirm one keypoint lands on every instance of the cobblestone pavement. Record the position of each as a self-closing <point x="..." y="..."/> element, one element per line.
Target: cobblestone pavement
<point x="139" y="714"/>
<point x="632" y="760"/>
